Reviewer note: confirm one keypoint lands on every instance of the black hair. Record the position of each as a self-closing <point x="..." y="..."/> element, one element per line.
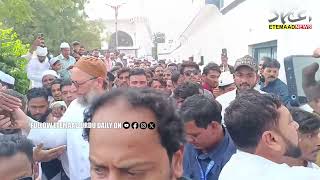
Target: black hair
<point x="56" y="81"/>
<point x="175" y="76"/>
<point x="249" y="116"/>
<point x="161" y="81"/>
<point x="119" y="64"/>
<point x="18" y="95"/>
<point x="308" y="122"/>
<point x="122" y="70"/>
<point x="271" y="64"/>
<point x="137" y="71"/>
<point x="200" y="109"/>
<point x="188" y="64"/>
<point x="148" y="71"/>
<point x="168" y="123"/>
<point x="187" y="89"/>
<point x="66" y="82"/>
<point x="211" y="67"/>
<point x="37" y="92"/>
<point x="12" y="144"/>
<point x="114" y="69"/>
<point x="9" y="86"/>
<point x="173" y="64"/>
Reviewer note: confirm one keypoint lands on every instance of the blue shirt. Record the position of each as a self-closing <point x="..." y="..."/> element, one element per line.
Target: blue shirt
<point x="220" y="154"/>
<point x="65" y="64"/>
<point x="278" y="88"/>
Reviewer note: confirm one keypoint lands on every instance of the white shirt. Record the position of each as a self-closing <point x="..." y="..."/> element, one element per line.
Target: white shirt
<point x="75" y="161"/>
<point x="313" y="165"/>
<point x="35" y="69"/>
<point x="245" y="166"/>
<point x="227" y="98"/>
<point x="307" y="108"/>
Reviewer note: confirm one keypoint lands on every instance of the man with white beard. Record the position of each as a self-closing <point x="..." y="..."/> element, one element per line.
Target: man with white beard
<point x="88" y="77"/>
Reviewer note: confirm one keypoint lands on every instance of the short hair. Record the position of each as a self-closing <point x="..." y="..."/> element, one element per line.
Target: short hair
<point x="148" y="71"/>
<point x="249" y="116"/>
<point x="265" y="58"/>
<point x="161" y="81"/>
<point x="186" y="89"/>
<point x="65" y="82"/>
<point x="137" y="72"/>
<point x="18" y="95"/>
<point x="37" y="92"/>
<point x="9" y="86"/>
<point x="57" y="81"/>
<point x="162" y="62"/>
<point x="173" y="64"/>
<point x="168" y="123"/>
<point x="119" y="64"/>
<point x="122" y="70"/>
<point x="308" y="122"/>
<point x="75" y="43"/>
<point x="211" y="67"/>
<point x="188" y="64"/>
<point x="114" y="69"/>
<point x="175" y="76"/>
<point x="12" y="144"/>
<point x="271" y="64"/>
<point x="200" y="109"/>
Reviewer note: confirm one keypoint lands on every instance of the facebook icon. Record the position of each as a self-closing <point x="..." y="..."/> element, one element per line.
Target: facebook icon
<point x="135" y="125"/>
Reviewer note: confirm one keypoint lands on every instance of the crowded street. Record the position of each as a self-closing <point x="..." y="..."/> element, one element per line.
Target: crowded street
<point x="133" y="90"/>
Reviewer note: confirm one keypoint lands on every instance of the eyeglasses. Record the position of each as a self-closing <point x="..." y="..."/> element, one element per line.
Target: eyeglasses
<point x="77" y="84"/>
<point x="190" y="72"/>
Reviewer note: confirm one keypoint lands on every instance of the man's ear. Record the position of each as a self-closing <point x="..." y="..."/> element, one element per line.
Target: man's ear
<point x="271" y="140"/>
<point x="177" y="162"/>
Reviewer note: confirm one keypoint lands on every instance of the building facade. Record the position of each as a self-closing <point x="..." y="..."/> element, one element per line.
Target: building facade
<point x="242" y="27"/>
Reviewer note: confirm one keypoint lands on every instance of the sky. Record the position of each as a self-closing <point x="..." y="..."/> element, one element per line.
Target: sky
<point x="168" y="16"/>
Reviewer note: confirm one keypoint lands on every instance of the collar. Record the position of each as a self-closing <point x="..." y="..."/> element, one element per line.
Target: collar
<point x="217" y="150"/>
<point x="207" y="86"/>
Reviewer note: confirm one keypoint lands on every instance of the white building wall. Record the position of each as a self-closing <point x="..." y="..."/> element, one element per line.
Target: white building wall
<point x="245" y="25"/>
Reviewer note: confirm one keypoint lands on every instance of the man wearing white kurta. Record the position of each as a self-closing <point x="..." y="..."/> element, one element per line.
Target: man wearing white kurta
<point x="265" y="134"/>
<point x="88" y="76"/>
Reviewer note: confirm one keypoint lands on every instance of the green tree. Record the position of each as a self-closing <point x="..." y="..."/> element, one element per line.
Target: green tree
<point x="58" y="20"/>
<point x="11" y="49"/>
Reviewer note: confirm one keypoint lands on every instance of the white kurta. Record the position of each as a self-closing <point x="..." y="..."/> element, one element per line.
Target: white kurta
<point x="245" y="166"/>
<point x="35" y="68"/>
<point x="75" y="161"/>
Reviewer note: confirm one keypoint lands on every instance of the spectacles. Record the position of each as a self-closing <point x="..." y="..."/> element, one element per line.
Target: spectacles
<point x="189" y="72"/>
<point x="77" y="84"/>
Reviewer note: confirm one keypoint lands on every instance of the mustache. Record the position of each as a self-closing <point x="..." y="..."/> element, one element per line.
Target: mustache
<point x="244" y="84"/>
<point x="272" y="77"/>
<point x="316" y="150"/>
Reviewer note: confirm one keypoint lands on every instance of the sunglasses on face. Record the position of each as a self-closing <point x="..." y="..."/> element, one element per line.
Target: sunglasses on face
<point x="190" y="72"/>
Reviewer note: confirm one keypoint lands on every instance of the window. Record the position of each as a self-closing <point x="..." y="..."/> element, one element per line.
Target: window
<point x="268" y="49"/>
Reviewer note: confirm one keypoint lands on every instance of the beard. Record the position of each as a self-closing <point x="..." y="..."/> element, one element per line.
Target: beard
<point x="292" y="150"/>
<point x="88" y="98"/>
<point x="42" y="118"/>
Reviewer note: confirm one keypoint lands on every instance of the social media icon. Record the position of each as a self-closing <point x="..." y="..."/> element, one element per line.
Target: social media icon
<point x="126" y="125"/>
<point x="135" y="125"/>
<point x="143" y="125"/>
<point x="151" y="125"/>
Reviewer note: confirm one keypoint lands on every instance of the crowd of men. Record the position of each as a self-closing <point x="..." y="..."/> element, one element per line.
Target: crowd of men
<point x="222" y="122"/>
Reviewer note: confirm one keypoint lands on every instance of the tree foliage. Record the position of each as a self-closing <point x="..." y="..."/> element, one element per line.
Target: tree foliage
<point x="58" y="20"/>
<point x="11" y="49"/>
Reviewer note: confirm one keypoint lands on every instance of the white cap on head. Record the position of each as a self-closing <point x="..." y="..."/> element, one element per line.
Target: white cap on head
<point x="50" y="72"/>
<point x="6" y="78"/>
<point x="58" y="103"/>
<point x="53" y="60"/>
<point x="226" y="78"/>
<point x="64" y="45"/>
<point x="41" y="51"/>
